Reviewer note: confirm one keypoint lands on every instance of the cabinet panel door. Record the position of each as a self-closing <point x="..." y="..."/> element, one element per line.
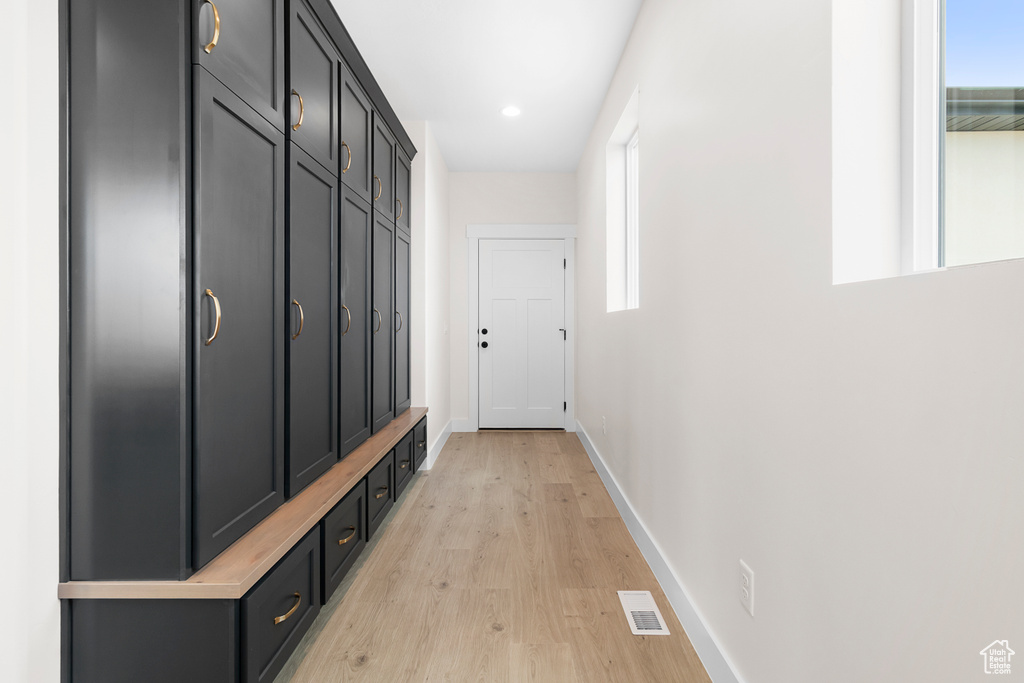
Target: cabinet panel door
<point x="354" y="321"/>
<point x="402" y="265"/>
<point x="383" y="169"/>
<point x="403" y="189"/>
<point x="313" y="77"/>
<point x="248" y="55"/>
<point x="383" y="387"/>
<point x="238" y="459"/>
<point x="356" y="140"/>
<point x="312" y="402"/>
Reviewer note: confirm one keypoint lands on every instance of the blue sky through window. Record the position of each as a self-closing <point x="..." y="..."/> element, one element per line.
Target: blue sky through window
<point x="985" y="43"/>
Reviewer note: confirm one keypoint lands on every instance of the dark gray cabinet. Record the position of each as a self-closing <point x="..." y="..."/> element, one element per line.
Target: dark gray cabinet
<point x="403" y="396"/>
<point x="354" y="320"/>
<point x="238" y="304"/>
<point x="312" y="332"/>
<point x="404" y="465"/>
<point x="403" y="188"/>
<point x="380" y="484"/>
<point x="344" y="537"/>
<point x="241" y="42"/>
<point x="382" y="385"/>
<point x="383" y="169"/>
<point x="419" y="436"/>
<point x="313" y="87"/>
<point x="356" y="144"/>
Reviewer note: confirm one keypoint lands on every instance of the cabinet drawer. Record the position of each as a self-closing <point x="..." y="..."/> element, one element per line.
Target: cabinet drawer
<point x="379" y="483"/>
<point x="279" y="609"/>
<point x="403" y="465"/>
<point x="419" y="440"/>
<point x="344" y="537"/>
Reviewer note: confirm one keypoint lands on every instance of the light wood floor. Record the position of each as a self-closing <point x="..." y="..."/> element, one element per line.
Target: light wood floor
<point x="501" y="565"/>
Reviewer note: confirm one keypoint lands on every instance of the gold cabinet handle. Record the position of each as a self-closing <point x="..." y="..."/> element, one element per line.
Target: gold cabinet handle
<point x="380" y="321"/>
<point x="343" y="541"/>
<point x="405" y="463"/>
<point x="349" y="150"/>
<point x="284" y="617"/>
<point x="401" y="209"/>
<point x="383" y="492"/>
<point x="348" y="324"/>
<point x="302" y="319"/>
<point x="380" y="187"/>
<point x="208" y="48"/>
<point x="216" y="307"/>
<point x="401" y="321"/>
<point x="302" y="110"/>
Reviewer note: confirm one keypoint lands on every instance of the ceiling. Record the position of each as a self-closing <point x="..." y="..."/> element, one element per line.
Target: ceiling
<point x="458" y="63"/>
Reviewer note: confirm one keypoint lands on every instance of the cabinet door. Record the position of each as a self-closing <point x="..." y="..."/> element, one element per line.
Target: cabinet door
<point x="402" y="265"/>
<point x="312" y="387"/>
<point x="382" y="385"/>
<point x="354" y="321"/>
<point x="313" y="88"/>
<point x="356" y="140"/>
<point x="383" y="169"/>
<point x="237" y="303"/>
<point x="241" y="42"/>
<point x="403" y="465"/>
<point x="403" y="188"/>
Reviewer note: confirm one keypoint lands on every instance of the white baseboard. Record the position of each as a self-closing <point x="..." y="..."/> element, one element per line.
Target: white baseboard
<point x="711" y="655"/>
<point x="438" y="446"/>
<point x="463" y="425"/>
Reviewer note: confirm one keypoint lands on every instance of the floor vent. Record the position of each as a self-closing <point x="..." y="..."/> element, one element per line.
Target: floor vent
<point x="642" y="613"/>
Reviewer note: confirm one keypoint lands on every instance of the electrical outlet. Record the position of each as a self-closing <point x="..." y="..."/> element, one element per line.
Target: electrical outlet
<point x="604" y="425"/>
<point x="747" y="587"/>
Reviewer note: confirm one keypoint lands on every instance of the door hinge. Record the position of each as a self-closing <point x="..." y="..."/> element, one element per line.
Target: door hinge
<point x="565" y="406"/>
<point x="563" y="264"/>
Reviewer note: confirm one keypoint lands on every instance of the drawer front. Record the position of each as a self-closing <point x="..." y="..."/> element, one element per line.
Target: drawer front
<point x="403" y="465"/>
<point x="419" y="442"/>
<point x="279" y="609"/>
<point x="344" y="537"/>
<point x="379" y="484"/>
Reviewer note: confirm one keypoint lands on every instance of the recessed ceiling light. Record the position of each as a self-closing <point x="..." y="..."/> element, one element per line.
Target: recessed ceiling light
<point x="511" y="110"/>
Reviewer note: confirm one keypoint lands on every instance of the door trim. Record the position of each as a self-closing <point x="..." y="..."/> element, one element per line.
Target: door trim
<point x="475" y="233"/>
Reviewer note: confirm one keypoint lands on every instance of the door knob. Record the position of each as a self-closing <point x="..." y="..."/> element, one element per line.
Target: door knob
<point x="483" y="331"/>
<point x="483" y="345"/>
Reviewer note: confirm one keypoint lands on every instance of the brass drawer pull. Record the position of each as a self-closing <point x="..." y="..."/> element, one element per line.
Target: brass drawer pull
<point x="348" y="538"/>
<point x="349" y="150"/>
<point x="401" y="321"/>
<point x="216" y="29"/>
<point x="405" y="463"/>
<point x="216" y="306"/>
<point x="348" y="325"/>
<point x="401" y="209"/>
<point x="380" y="188"/>
<point x="383" y="492"/>
<point x="284" y="617"/>
<point x="302" y="319"/>
<point x="302" y="110"/>
<point x="380" y="321"/>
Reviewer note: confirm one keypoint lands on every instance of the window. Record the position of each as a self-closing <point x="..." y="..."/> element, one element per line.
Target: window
<point x="622" y="164"/>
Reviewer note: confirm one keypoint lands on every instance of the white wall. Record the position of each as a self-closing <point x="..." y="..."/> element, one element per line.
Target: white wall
<point x="858" y="445"/>
<point x="984" y="196"/>
<point x="30" y="630"/>
<point x="494" y="198"/>
<point x="431" y="349"/>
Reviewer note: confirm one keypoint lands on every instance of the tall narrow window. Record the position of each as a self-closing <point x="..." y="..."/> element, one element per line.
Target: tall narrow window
<point x="633" y="221"/>
<point x="983" y="155"/>
<point x="623" y="209"/>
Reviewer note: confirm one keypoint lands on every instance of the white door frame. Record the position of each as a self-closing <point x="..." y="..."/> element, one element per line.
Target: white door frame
<point x="475" y="233"/>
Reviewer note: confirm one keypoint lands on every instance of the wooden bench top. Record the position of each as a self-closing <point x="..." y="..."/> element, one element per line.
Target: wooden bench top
<point x="231" y="574"/>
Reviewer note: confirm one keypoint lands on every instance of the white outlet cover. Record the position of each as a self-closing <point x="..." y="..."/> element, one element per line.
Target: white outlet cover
<point x="747" y="587"/>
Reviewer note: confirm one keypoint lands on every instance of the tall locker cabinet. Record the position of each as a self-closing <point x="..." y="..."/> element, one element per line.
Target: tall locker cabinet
<point x="382" y="389"/>
<point x="356" y="239"/>
<point x="403" y="266"/>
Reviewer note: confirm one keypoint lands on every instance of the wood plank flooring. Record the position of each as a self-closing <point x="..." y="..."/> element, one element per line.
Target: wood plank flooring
<point x="501" y="565"/>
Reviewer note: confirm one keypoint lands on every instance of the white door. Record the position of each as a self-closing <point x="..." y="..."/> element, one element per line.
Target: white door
<point x="521" y="338"/>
